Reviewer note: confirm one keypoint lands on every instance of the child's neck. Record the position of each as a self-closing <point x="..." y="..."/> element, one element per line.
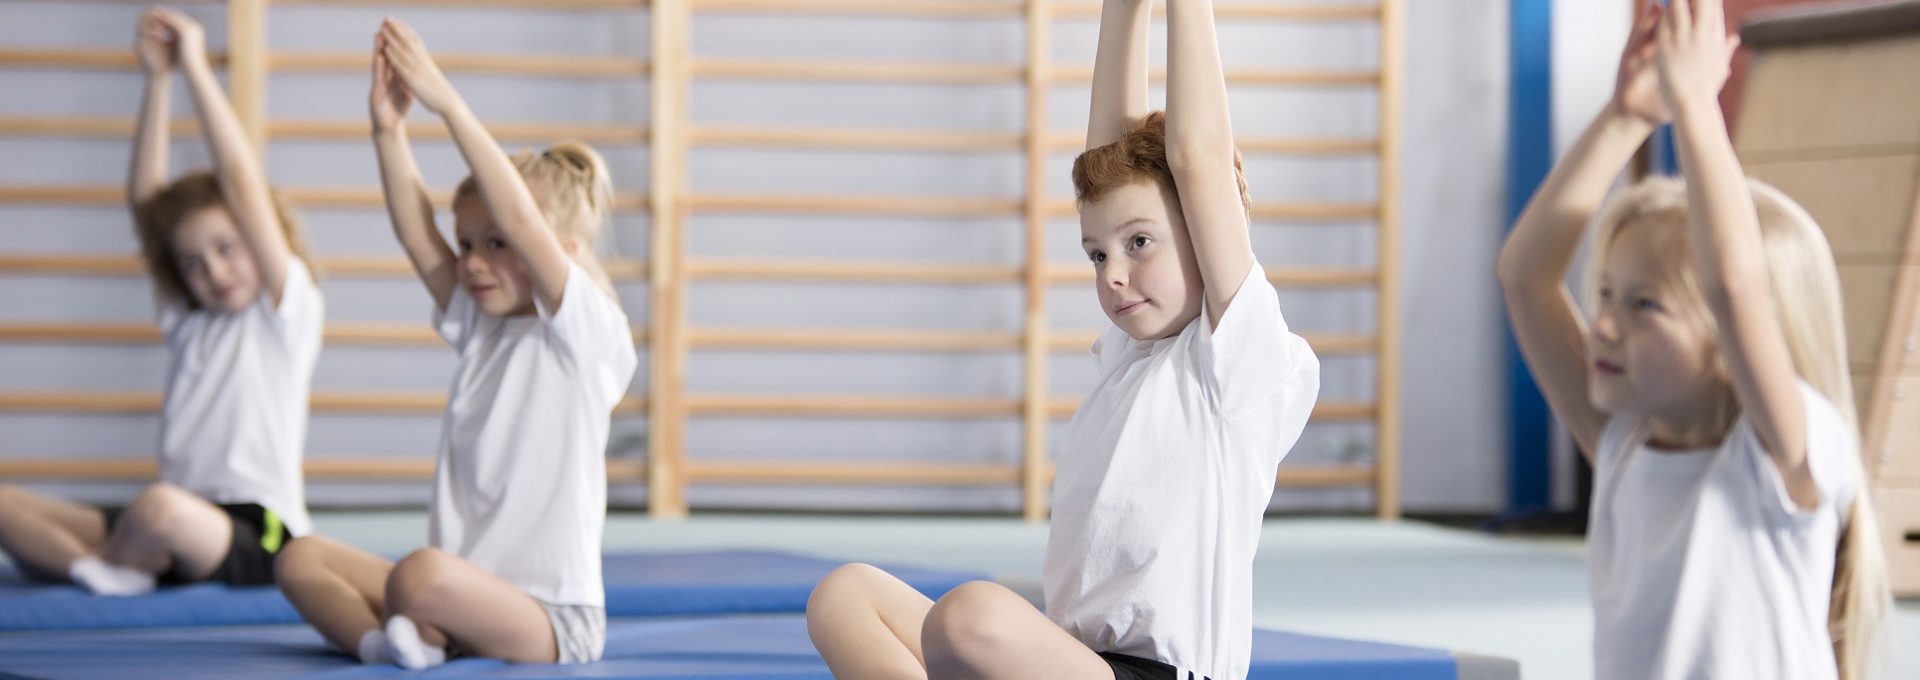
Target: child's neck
<point x="1694" y="429"/>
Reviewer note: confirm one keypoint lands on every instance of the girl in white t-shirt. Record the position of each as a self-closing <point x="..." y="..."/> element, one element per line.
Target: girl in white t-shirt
<point x="1168" y="466"/>
<point x="242" y="319"/>
<point x="519" y="495"/>
<point x="1731" y="533"/>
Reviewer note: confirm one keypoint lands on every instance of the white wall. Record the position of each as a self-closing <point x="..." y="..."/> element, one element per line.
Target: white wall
<point x="1455" y="140"/>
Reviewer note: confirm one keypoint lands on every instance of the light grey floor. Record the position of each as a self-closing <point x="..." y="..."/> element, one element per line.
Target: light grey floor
<point x="1407" y="582"/>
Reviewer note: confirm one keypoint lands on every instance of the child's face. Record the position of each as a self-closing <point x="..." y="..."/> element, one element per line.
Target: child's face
<point x="1650" y="352"/>
<point x="215" y="261"/>
<point x="493" y="273"/>
<point x="1144" y="269"/>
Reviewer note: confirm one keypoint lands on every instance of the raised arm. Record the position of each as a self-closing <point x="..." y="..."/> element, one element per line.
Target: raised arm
<point x="155" y="45"/>
<point x="243" y="182"/>
<point x="1119" y="71"/>
<point x="1724" y="234"/>
<point x="1200" y="152"/>
<point x="507" y="199"/>
<point x="407" y="203"/>
<point x="1533" y="264"/>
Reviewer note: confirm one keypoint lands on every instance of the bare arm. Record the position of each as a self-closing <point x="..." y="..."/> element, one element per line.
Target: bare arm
<point x="1200" y="152"/>
<point x="151" y="134"/>
<point x="512" y="206"/>
<point x="1533" y="264"/>
<point x="1119" y="71"/>
<point x="407" y="203"/>
<point x="243" y="182"/>
<point x="1724" y="233"/>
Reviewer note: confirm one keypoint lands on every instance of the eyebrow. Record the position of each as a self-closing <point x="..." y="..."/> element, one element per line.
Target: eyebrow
<point x="1137" y="220"/>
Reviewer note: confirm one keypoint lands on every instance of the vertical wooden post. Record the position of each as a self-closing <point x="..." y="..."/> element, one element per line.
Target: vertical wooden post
<point x="1034" y="480"/>
<point x="666" y="443"/>
<point x="247" y="68"/>
<point x="1387" y="366"/>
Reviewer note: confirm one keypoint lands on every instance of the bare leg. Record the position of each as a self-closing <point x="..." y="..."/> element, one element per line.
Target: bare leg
<point x="866" y="624"/>
<point x="169" y="528"/>
<point x="45" y="535"/>
<point x="982" y="630"/>
<point x="451" y="600"/>
<point x="340" y="590"/>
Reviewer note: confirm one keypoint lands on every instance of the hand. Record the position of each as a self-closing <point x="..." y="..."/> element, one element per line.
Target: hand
<point x="407" y="58"/>
<point x="1636" y="89"/>
<point x="189" y="39"/>
<point x="390" y="98"/>
<point x="155" y="44"/>
<point x="1695" y="52"/>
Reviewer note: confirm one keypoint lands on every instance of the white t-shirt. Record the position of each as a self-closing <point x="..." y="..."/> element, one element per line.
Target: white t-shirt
<point x="234" y="426"/>
<point x="1163" y="482"/>
<point x="520" y="482"/>
<point x="1703" y="567"/>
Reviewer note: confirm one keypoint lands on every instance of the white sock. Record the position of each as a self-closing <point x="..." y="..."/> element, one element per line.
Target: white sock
<point x="373" y="648"/>
<point x="408" y="650"/>
<point x="104" y="578"/>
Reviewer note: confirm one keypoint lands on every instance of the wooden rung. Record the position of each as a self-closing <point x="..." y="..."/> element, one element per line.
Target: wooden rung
<point x="851" y="272"/>
<point x="95" y="59"/>
<point x="1076" y="141"/>
<point x="877" y="473"/>
<point x="337" y="266"/>
<point x="1062" y="408"/>
<point x="1241" y="9"/>
<point x="1302" y="211"/>
<point x="1324" y="476"/>
<point x="860" y="71"/>
<point x="911" y="206"/>
<point x="345" y="197"/>
<point x="856" y="340"/>
<point x="486" y="4"/>
<point x="959" y="9"/>
<point x="140" y="403"/>
<point x="849" y="406"/>
<point x="1081" y="75"/>
<point x="542" y="65"/>
<point x="1324" y="344"/>
<point x="1287" y="277"/>
<point x="523" y="132"/>
<point x="828" y="138"/>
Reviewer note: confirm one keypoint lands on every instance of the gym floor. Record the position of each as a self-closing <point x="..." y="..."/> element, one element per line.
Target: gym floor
<point x="1414" y="583"/>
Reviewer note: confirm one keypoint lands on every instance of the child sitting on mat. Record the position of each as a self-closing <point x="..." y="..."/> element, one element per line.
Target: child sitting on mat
<point x="1732" y="535"/>
<point x="242" y="319"/>
<point x="1170" y="463"/>
<point x="519" y="495"/>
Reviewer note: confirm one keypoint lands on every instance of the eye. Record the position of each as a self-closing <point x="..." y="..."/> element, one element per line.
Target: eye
<point x="1647" y="304"/>
<point x="190" y="264"/>
<point x="1140" y="242"/>
<point x="465" y="245"/>
<point x="1606" y="294"/>
<point x="225" y="248"/>
<point x="1097" y="257"/>
<point x="496" y="244"/>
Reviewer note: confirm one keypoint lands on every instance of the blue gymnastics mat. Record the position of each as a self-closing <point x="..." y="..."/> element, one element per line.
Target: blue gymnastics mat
<point x="756" y="647"/>
<point x="638" y="584"/>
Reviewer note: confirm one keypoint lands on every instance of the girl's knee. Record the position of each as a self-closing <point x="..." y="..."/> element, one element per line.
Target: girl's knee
<point x="848" y="581"/>
<point x="161" y="505"/>
<point x="418" y="579"/>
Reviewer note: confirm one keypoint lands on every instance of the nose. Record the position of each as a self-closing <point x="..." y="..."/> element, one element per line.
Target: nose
<point x="1605" y="328"/>
<point x="471" y="262"/>
<point x="1115" y="275"/>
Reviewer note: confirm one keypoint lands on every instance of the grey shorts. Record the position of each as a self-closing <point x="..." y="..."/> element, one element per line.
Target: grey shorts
<point x="579" y="631"/>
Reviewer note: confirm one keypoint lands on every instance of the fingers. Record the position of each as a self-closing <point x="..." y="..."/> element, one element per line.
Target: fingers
<point x="1679" y="21"/>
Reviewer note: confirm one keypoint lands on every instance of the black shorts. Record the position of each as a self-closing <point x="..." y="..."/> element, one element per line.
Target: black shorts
<point x="1135" y="668"/>
<point x="258" y="535"/>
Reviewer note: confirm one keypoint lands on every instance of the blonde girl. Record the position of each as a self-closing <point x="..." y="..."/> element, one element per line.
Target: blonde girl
<point x="1732" y="535"/>
<point x="519" y="496"/>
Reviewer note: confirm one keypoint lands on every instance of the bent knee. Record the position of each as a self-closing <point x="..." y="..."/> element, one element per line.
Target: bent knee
<point x="847" y="582"/>
<point x="162" y="505"/>
<point x="418" y="578"/>
<point x="971" y="623"/>
<point x="300" y="558"/>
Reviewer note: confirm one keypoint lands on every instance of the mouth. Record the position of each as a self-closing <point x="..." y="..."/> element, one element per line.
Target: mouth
<point x="479" y="289"/>
<point x="1130" y="307"/>
<point x="1605" y="367"/>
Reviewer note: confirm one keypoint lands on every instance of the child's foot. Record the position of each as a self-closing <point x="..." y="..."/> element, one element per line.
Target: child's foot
<point x="104" y="578"/>
<point x="373" y="648"/>
<point x="408" y="650"/>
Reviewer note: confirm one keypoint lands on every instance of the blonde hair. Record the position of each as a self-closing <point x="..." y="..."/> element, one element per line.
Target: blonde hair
<point x="1805" y="287"/>
<point x="156" y="218"/>
<point x="570" y="183"/>
<point x="1138" y="156"/>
